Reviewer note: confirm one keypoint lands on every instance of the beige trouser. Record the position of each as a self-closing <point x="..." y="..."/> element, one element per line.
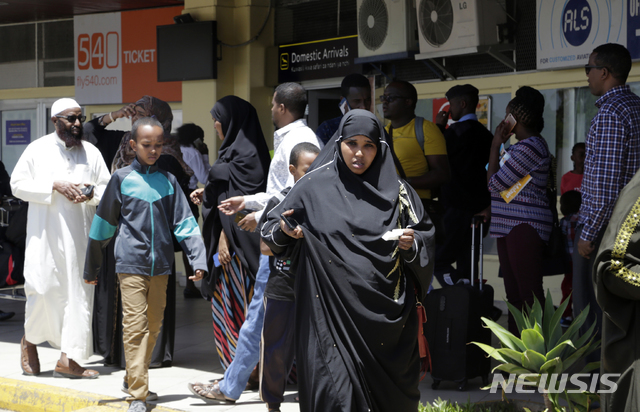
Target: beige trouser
<point x="143" y="302"/>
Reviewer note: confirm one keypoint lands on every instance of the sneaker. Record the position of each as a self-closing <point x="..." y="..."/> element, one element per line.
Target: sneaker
<point x="137" y="406"/>
<point x="151" y="396"/>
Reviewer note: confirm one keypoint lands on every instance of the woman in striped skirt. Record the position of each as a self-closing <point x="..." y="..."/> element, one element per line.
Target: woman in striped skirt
<point x="232" y="253"/>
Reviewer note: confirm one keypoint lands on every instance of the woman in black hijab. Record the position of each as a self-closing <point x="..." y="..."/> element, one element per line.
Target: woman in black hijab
<point x="356" y="323"/>
<point x="241" y="169"/>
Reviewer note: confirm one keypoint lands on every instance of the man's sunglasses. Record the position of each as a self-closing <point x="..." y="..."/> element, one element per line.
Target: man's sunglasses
<point x="588" y="68"/>
<point x="390" y="98"/>
<point x="72" y="118"/>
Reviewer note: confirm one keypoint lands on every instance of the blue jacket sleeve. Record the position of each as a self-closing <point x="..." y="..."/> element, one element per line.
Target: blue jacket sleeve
<point x="103" y="227"/>
<point x="186" y="230"/>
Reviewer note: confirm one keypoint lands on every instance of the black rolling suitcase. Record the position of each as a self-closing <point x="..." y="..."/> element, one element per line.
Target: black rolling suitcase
<point x="453" y="320"/>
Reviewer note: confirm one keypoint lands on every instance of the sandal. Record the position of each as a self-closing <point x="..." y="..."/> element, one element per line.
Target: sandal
<point x="273" y="407"/>
<point x="210" y="393"/>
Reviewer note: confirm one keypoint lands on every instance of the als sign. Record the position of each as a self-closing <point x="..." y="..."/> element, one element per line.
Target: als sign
<point x="116" y="57"/>
<point x="568" y="31"/>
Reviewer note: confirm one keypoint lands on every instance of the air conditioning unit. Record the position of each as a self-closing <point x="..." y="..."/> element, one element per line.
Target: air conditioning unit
<point x="385" y="28"/>
<point x="452" y="27"/>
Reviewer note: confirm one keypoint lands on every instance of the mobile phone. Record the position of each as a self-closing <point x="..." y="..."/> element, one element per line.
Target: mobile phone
<point x="344" y="106"/>
<point x="216" y="261"/>
<point x="511" y="122"/>
<point x="87" y="190"/>
<point x="240" y="215"/>
<point x="291" y="223"/>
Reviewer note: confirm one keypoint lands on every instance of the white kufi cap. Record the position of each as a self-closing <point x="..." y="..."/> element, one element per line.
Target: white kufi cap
<point x="63" y="104"/>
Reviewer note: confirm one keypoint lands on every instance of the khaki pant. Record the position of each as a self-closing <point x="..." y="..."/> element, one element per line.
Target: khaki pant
<point x="143" y="302"/>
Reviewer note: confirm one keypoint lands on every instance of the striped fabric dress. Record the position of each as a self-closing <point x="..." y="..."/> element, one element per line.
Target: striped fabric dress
<point x="527" y="157"/>
<point x="229" y="306"/>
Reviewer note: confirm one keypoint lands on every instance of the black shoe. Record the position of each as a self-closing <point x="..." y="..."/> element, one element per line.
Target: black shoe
<point x="495" y="313"/>
<point x="6" y="315"/>
<point x="192" y="293"/>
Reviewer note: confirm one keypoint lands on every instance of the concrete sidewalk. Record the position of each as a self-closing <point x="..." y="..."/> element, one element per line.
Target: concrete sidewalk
<point x="195" y="359"/>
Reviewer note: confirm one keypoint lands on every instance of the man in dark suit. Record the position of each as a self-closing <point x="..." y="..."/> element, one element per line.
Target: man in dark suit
<point x="466" y="194"/>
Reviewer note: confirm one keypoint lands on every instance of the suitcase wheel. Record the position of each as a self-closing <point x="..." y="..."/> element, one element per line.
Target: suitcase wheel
<point x="463" y="385"/>
<point x="435" y="384"/>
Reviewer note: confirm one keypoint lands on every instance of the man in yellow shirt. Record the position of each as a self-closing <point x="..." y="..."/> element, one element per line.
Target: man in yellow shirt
<point x="426" y="168"/>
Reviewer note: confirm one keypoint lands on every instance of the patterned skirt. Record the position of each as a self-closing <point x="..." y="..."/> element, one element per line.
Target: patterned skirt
<point x="229" y="305"/>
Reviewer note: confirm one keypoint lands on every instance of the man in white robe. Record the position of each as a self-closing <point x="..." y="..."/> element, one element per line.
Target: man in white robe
<point x="51" y="175"/>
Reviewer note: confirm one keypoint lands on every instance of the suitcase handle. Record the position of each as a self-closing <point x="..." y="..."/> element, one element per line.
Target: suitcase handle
<point x="475" y="220"/>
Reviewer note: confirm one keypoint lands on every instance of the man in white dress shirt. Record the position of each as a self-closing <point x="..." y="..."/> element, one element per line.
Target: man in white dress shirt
<point x="287" y="112"/>
<point x="63" y="178"/>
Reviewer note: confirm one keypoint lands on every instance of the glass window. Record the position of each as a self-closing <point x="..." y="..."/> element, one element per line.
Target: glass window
<point x="54" y="65"/>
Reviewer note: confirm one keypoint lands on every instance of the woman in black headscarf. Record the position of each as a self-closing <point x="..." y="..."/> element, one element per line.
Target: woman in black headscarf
<point x="241" y="169"/>
<point x="356" y="322"/>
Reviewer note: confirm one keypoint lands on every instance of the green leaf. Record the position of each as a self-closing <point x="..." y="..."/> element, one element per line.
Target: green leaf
<point x="550" y="365"/>
<point x="517" y="316"/>
<point x="573" y="330"/>
<point x="555" y="330"/>
<point x="557" y="351"/>
<point x="581" y="400"/>
<point x="580" y="353"/>
<point x="549" y="311"/>
<point x="583" y="339"/>
<point x="514" y="356"/>
<point x="590" y="367"/>
<point x="511" y="368"/>
<point x="536" y="311"/>
<point x="538" y="329"/>
<point x="507" y="338"/>
<point x="554" y="377"/>
<point x="533" y="360"/>
<point x="534" y="340"/>
<point x="491" y="351"/>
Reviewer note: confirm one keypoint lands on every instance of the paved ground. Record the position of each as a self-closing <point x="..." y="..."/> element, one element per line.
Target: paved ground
<point x="195" y="360"/>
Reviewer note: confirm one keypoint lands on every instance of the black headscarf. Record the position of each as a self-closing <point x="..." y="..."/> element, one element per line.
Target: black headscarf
<point x="355" y="299"/>
<point x="241" y="169"/>
<point x="329" y="149"/>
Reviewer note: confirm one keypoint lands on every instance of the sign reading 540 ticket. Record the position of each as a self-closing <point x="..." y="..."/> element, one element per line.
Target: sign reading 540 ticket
<point x="116" y="57"/>
<point x="568" y="31"/>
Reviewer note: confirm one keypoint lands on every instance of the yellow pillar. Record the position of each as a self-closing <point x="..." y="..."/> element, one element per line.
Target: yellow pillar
<point x="241" y="70"/>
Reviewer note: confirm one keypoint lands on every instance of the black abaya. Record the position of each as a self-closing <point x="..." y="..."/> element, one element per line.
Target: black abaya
<point x="241" y="169"/>
<point x="356" y="322"/>
<point x="616" y="277"/>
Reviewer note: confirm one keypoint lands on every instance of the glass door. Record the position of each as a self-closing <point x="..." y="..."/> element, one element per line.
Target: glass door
<point x="19" y="128"/>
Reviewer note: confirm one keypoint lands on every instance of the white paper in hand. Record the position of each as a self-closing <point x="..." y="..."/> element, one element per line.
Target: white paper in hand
<point x="393" y="234"/>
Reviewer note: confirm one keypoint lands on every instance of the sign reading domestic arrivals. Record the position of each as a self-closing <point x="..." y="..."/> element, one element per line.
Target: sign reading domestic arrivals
<point x="568" y="31"/>
<point x="318" y="59"/>
<point x="116" y="56"/>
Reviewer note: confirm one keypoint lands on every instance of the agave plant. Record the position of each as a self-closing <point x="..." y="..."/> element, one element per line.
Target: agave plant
<point x="543" y="352"/>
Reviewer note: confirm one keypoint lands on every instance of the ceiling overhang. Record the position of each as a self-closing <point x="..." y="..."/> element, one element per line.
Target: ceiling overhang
<point x="23" y="11"/>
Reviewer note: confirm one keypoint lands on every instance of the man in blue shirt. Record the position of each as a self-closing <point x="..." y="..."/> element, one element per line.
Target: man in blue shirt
<point x="356" y="94"/>
<point x="612" y="158"/>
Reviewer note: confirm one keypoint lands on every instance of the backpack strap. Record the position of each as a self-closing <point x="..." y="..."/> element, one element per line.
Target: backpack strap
<point x="420" y="131"/>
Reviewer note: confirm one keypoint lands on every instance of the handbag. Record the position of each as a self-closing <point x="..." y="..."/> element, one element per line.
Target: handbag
<point x="555" y="254"/>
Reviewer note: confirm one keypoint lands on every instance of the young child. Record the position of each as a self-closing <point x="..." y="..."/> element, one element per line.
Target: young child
<point x="277" y="349"/>
<point x="146" y="206"/>
<point x="277" y="343"/>
<point x="569" y="207"/>
<point x="572" y="180"/>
